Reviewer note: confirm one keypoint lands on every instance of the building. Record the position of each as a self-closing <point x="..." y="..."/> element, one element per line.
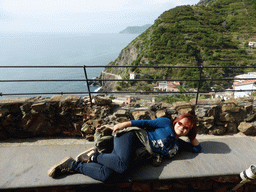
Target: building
<point x="129" y="99"/>
<point x="168" y="86"/>
<point x="241" y="83"/>
<point x="224" y="95"/>
<point x="133" y="75"/>
<point x="252" y="44"/>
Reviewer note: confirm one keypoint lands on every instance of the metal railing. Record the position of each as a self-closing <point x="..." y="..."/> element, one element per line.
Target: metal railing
<point x="89" y="92"/>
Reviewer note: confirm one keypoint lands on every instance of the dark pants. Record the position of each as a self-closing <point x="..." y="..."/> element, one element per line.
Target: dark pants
<point x="117" y="161"/>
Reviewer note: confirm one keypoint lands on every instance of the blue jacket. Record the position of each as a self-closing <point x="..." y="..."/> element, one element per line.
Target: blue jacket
<point x="162" y="137"/>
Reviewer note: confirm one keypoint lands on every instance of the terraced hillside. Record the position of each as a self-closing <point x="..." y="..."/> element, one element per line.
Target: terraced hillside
<point x="211" y="33"/>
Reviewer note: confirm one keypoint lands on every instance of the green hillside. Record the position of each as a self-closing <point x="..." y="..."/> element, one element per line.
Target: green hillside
<point x="212" y="33"/>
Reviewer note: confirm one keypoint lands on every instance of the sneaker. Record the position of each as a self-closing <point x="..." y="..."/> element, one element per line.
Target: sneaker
<point x="86" y="156"/>
<point x="63" y="167"/>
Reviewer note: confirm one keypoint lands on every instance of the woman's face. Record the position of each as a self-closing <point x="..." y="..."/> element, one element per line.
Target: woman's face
<point x="182" y="127"/>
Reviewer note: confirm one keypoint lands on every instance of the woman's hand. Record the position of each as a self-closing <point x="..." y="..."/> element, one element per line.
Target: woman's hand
<point x="195" y="142"/>
<point x="121" y="126"/>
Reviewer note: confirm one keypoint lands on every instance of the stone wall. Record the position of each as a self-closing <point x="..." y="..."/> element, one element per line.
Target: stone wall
<point x="75" y="116"/>
<point x="211" y="184"/>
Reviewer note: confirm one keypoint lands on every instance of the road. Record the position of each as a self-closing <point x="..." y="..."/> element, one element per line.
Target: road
<point x="116" y="76"/>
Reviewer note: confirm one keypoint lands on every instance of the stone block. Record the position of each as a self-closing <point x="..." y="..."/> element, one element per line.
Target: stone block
<point x="160" y="113"/>
<point x="3" y="111"/>
<point x="141" y="186"/>
<point x="231" y="127"/>
<point x="147" y="115"/>
<point x="57" y="98"/>
<point x="248" y="108"/>
<point x="207" y="122"/>
<point x="39" y="107"/>
<point x="250" y="117"/>
<point x="26" y="107"/>
<point x="217" y="130"/>
<point x="230" y="107"/>
<point x="161" y="185"/>
<point x="202" y="184"/>
<point x="102" y="101"/>
<point x="122" y="113"/>
<point x="201" y="112"/>
<point x="227" y="117"/>
<point x="247" y="128"/>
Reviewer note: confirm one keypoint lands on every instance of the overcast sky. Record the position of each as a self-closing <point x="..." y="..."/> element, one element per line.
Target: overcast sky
<point x="89" y="16"/>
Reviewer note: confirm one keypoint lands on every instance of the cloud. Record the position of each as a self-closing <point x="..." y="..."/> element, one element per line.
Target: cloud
<point x="81" y="15"/>
<point x="5" y="17"/>
<point x="49" y="7"/>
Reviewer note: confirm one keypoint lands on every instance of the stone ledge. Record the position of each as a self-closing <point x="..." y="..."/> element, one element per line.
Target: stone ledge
<point x="221" y="156"/>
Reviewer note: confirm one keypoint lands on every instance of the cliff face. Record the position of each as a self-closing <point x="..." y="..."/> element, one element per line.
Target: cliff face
<point x="125" y="58"/>
<point x="127" y="55"/>
<point x="107" y="86"/>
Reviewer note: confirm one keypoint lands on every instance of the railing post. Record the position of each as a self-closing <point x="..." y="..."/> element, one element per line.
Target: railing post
<point x="88" y="87"/>
<point x="199" y="82"/>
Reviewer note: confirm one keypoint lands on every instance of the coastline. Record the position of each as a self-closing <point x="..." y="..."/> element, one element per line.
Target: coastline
<point x="98" y="89"/>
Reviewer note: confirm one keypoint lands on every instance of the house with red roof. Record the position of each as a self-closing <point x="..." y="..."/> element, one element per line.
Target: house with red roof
<point x="168" y="86"/>
<point x="244" y="82"/>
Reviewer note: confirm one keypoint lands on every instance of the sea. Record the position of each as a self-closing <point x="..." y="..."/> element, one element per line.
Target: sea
<point x="55" y="49"/>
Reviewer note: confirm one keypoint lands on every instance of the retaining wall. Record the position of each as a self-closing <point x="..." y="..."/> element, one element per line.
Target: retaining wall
<point x="75" y="116"/>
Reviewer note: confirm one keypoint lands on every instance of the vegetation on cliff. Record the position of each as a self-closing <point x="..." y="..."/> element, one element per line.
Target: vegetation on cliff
<point x="211" y="33"/>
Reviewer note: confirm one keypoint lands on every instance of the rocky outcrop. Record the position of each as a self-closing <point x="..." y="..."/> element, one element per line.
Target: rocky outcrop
<point x="125" y="58"/>
<point x="75" y="116"/>
<point x="135" y="29"/>
<point x="107" y="86"/>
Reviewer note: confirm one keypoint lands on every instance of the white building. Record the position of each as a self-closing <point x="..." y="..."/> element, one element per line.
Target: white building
<point x="240" y="83"/>
<point x="168" y="86"/>
<point x="224" y="95"/>
<point x="252" y="44"/>
<point x="133" y="75"/>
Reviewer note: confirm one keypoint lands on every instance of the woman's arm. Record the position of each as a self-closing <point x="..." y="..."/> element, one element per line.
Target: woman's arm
<point x="160" y="122"/>
<point x="138" y="123"/>
<point x="144" y="124"/>
<point x="193" y="146"/>
<point x="121" y="126"/>
<point x="195" y="142"/>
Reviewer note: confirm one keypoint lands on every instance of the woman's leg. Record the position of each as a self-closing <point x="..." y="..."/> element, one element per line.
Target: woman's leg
<point x="93" y="170"/>
<point x="119" y="159"/>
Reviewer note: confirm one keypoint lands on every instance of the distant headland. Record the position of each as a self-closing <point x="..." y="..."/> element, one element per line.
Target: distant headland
<point x="135" y="29"/>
